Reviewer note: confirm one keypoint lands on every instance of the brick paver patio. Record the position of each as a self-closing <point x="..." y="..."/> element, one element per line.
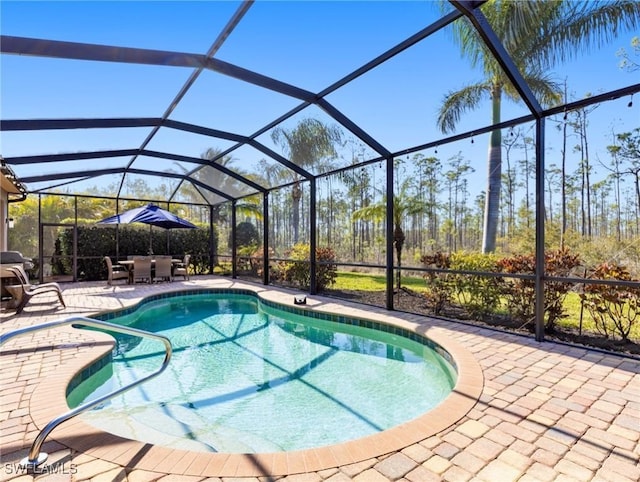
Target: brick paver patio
<point x="546" y="412"/>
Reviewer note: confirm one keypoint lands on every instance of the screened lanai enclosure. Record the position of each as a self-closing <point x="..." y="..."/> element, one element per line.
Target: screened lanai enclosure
<point x="465" y="159"/>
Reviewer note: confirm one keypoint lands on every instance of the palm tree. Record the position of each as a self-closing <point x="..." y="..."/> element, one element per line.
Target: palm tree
<point x="404" y="206"/>
<point x="248" y="207"/>
<point x="537" y="35"/>
<point x="306" y="145"/>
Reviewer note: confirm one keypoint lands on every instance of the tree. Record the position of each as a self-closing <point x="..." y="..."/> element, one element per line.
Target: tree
<point x="553" y="176"/>
<point x="456" y="185"/>
<point x="306" y="145"/>
<point x="404" y="205"/>
<point x="274" y="174"/>
<point x="617" y="178"/>
<point x="626" y="62"/>
<point x="246" y="235"/>
<point x="510" y="179"/>
<point x="538" y="35"/>
<point x="528" y="171"/>
<point x="227" y="184"/>
<point x="360" y="186"/>
<point x="627" y="150"/>
<point x="429" y="174"/>
<point x="224" y="183"/>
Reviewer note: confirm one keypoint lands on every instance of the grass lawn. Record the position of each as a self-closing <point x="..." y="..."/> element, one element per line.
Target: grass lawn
<point x="372" y="282"/>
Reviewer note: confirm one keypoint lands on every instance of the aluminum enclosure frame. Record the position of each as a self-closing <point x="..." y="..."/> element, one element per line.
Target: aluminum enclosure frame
<point x="199" y="62"/>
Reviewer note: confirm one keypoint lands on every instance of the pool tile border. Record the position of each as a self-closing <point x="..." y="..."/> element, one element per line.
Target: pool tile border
<point x="85" y="438"/>
<point x="297" y="310"/>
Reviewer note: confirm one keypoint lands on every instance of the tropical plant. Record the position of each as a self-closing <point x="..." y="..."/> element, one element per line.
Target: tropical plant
<point x="23" y="236"/>
<point x="306" y="145"/>
<point x="404" y="205"/>
<point x="248" y="207"/>
<point x="225" y="183"/>
<point x="537" y="35"/>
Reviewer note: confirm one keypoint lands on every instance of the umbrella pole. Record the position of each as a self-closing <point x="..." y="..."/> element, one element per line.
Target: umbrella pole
<point x="150" y="240"/>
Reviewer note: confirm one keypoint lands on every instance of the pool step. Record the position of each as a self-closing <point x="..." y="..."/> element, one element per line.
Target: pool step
<point x="220" y="436"/>
<point x="171" y="426"/>
<point x="149" y="431"/>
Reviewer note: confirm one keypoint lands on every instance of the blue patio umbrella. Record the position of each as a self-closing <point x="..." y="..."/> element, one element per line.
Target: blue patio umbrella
<point x="153" y="216"/>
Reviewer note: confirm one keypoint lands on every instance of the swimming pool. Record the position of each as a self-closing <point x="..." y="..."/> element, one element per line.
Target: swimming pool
<point x="247" y="377"/>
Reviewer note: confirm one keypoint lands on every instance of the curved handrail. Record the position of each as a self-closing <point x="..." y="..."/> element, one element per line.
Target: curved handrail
<point x="36" y="457"/>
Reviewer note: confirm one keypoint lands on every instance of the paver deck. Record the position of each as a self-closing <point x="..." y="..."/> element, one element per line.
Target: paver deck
<point x="545" y="411"/>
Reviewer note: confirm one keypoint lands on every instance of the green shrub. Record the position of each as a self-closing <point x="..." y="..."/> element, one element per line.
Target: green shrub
<point x="520" y="293"/>
<point x="296" y="270"/>
<point x="614" y="309"/>
<point x="479" y="295"/>
<point x="93" y="244"/>
<point x="96" y="242"/>
<point x="222" y="269"/>
<point x="257" y="261"/>
<point x="439" y="285"/>
<point x="246" y="235"/>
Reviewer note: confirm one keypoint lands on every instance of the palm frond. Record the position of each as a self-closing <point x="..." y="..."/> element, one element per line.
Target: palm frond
<point x="375" y="212"/>
<point x="544" y="87"/>
<point x="519" y="22"/>
<point x="469" y="41"/>
<point x="249" y="209"/>
<point x="578" y="27"/>
<point x="309" y="142"/>
<point x="456" y="103"/>
<point x="548" y="91"/>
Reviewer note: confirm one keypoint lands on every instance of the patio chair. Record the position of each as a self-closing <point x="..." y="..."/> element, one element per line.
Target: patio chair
<point x="163" y="268"/>
<point x="182" y="269"/>
<point x="24" y="291"/>
<point x="142" y="269"/>
<point x="115" y="271"/>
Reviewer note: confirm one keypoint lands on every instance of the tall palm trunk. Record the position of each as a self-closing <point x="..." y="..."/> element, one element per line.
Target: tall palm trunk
<point x="494" y="178"/>
<point x="398" y="241"/>
<point x="296" y="195"/>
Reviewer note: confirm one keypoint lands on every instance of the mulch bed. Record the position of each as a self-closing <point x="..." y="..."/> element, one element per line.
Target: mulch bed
<point x="412" y="302"/>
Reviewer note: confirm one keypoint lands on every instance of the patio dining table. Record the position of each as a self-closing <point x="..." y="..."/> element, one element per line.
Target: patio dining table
<point x="128" y="263"/>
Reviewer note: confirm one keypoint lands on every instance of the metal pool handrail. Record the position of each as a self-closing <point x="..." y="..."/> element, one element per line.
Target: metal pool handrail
<point x="36" y="457"/>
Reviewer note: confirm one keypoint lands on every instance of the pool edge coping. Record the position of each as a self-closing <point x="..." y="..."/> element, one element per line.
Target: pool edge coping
<point x="93" y="442"/>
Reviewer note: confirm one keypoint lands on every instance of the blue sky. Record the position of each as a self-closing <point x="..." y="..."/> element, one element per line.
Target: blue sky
<point x="308" y="44"/>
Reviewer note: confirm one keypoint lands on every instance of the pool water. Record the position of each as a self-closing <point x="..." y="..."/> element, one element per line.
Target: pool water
<point x="249" y="379"/>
